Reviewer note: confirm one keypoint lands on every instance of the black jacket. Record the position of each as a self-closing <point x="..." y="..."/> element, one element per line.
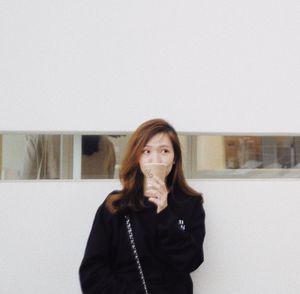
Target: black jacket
<point x="169" y="246"/>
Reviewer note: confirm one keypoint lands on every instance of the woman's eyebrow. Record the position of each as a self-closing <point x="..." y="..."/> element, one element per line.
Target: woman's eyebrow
<point x="163" y="145"/>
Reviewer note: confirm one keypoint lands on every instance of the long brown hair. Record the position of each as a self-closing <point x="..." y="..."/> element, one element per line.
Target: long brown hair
<point x="131" y="176"/>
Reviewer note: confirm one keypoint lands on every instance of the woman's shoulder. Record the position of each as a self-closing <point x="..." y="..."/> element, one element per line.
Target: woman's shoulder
<point x="187" y="203"/>
<point x="106" y="210"/>
<point x="195" y="197"/>
<point x="105" y="215"/>
<point x="111" y="200"/>
<point x="188" y="206"/>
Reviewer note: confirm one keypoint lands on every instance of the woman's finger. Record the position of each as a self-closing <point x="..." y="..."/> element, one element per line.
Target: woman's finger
<point x="152" y="193"/>
<point x="157" y="183"/>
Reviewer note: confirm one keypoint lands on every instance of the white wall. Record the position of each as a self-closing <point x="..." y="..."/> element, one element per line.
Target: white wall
<point x="207" y="66"/>
<point x="252" y="243"/>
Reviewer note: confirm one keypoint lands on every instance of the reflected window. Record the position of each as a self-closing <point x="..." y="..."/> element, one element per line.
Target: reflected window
<point x="246" y="157"/>
<point x="36" y="156"/>
<point x="99" y="156"/>
<point x="41" y="157"/>
<point x="243" y="152"/>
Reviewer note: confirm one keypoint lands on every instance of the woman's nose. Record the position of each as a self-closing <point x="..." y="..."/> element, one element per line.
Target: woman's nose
<point x="155" y="157"/>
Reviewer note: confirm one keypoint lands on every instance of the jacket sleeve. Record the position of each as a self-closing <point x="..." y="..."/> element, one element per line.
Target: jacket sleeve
<point x="182" y="244"/>
<point x="95" y="271"/>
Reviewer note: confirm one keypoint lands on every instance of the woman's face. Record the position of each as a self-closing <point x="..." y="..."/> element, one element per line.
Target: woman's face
<point x="158" y="149"/>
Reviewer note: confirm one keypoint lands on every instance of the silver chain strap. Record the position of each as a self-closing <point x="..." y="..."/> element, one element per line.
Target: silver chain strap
<point x="134" y="251"/>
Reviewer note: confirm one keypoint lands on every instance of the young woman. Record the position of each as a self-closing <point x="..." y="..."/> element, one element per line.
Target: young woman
<point x="166" y="219"/>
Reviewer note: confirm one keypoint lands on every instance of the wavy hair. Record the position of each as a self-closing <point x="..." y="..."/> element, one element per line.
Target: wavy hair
<point x="131" y="176"/>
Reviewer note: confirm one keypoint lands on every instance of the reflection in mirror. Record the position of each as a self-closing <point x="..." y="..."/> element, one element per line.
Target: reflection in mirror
<point x="42" y="157"/>
<point x="247" y="157"/>
<point x="99" y="156"/>
<point x="36" y="156"/>
<point x="13" y="156"/>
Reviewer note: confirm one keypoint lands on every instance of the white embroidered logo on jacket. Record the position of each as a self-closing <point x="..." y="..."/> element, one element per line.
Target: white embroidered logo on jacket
<point x="181" y="224"/>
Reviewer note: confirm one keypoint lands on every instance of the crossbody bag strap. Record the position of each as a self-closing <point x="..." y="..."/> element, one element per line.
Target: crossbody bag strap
<point x="134" y="251"/>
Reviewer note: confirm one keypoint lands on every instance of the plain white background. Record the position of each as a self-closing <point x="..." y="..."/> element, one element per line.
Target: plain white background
<point x="207" y="67"/>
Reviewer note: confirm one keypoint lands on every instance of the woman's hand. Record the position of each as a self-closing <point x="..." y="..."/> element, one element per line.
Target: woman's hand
<point x="157" y="192"/>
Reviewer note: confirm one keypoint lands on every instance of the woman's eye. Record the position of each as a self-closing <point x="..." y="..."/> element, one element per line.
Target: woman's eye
<point x="146" y="151"/>
<point x="165" y="151"/>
